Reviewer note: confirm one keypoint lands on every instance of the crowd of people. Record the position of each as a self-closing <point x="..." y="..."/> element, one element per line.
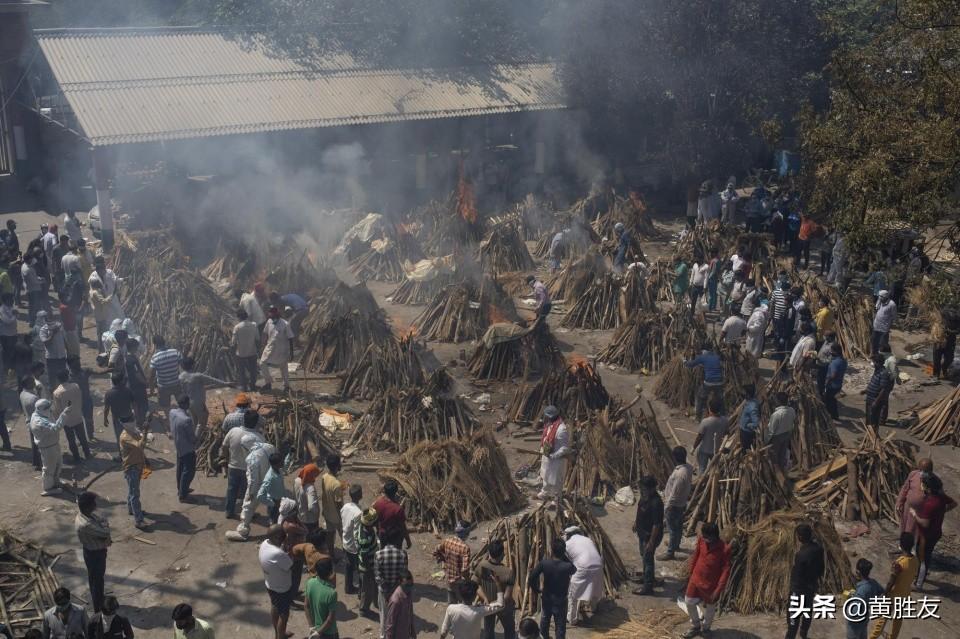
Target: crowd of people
<point x="310" y="511"/>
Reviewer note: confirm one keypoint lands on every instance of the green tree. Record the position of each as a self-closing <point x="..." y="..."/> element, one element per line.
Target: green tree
<point x="887" y="150"/>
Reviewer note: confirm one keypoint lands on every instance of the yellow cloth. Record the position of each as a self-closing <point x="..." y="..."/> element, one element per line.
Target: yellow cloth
<point x="131" y="450"/>
<point x="908" y="567"/>
<point x="825" y="321"/>
<point x="332" y="499"/>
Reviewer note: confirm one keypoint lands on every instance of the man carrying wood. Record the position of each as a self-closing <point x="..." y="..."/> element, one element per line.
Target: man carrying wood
<point x="554" y="449"/>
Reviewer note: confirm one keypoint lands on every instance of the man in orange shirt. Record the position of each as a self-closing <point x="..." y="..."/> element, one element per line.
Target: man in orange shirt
<point x="902" y="575"/>
<point x="454" y="554"/>
<point x="709" y="571"/>
<point x="808" y="229"/>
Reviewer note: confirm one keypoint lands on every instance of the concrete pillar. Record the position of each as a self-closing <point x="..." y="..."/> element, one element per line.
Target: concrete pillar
<point x="101" y="180"/>
<point x="540" y="158"/>
<point x="421" y="171"/>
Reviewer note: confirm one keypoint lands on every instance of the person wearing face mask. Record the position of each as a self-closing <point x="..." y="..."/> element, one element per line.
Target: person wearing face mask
<point x="66" y="619"/>
<point x="93" y="531"/>
<point x="108" y="624"/>
<point x="46" y="435"/>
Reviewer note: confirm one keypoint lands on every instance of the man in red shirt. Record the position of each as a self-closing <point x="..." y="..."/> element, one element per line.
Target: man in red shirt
<point x="929" y="519"/>
<point x="391" y="516"/>
<point x="709" y="571"/>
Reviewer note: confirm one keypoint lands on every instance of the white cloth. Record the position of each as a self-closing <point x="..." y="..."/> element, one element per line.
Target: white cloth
<point x="698" y="274"/>
<point x="587" y="583"/>
<point x="237" y="452"/>
<point x="258" y="463"/>
<point x="52" y="459"/>
<point x="108" y="286"/>
<point x="733" y="329"/>
<point x="250" y="305"/>
<point x="276" y="340"/>
<point x="806" y="344"/>
<point x="308" y="505"/>
<point x="245" y="338"/>
<point x="50" y="242"/>
<point x="71" y="226"/>
<point x="553" y="466"/>
<point x="350" y="518"/>
<point x="276" y="565"/>
<point x="736" y="262"/>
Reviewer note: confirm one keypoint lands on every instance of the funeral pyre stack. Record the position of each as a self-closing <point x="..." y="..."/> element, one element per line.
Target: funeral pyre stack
<point x="578" y="238"/>
<point x="608" y="302"/>
<point x="401" y="418"/>
<point x="815" y="438"/>
<point x="508" y="351"/>
<point x="165" y="298"/>
<point x="527" y="538"/>
<point x="648" y="340"/>
<point x="576" y="390"/>
<point x="291" y="425"/>
<point x="341" y="324"/>
<point x="455" y="480"/>
<point x="874" y="470"/>
<point x="392" y="364"/>
<point x="738" y="487"/>
<point x="632" y="213"/>
<point x="572" y="281"/>
<point x="940" y="421"/>
<point x="613" y="448"/>
<point x="678" y="384"/>
<point x="853" y="313"/>
<point x="504" y="251"/>
<point x="27" y="583"/>
<point x="381" y="263"/>
<point x="296" y="273"/>
<point x="463" y="311"/>
<point x="761" y="560"/>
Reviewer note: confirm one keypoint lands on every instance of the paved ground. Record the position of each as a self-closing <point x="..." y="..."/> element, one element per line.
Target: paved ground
<point x="184" y="557"/>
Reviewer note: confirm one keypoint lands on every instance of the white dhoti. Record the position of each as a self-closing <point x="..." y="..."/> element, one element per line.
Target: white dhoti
<point x="250" y="503"/>
<point x="52" y="459"/>
<point x="754" y="344"/>
<point x="552" y="473"/>
<point x="585" y="585"/>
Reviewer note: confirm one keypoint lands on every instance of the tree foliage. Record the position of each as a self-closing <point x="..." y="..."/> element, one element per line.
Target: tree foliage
<point x="703" y="82"/>
<point x="887" y="151"/>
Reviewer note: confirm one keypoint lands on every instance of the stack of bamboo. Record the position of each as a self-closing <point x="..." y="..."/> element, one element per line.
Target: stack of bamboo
<point x="678" y="384"/>
<point x="852" y="311"/>
<point x="647" y="341"/>
<point x="738" y="487"/>
<point x="576" y="391"/>
<point x="504" y="251"/>
<point x="452" y="225"/>
<point x="464" y="311"/>
<point x="27" y="583"/>
<point x="391" y="364"/>
<point x="534" y="351"/>
<point x="381" y="263"/>
<point x="235" y="263"/>
<point x="615" y="448"/>
<point x="296" y="273"/>
<point x="573" y="280"/>
<point x="608" y="302"/>
<point x="815" y="438"/>
<point x="527" y="539"/>
<point x="341" y="324"/>
<point x="401" y="418"/>
<point x="633" y="214"/>
<point x="940" y="421"/>
<point x="419" y="292"/>
<point x="455" y="480"/>
<point x="861" y="483"/>
<point x="291" y="425"/>
<point x="761" y="559"/>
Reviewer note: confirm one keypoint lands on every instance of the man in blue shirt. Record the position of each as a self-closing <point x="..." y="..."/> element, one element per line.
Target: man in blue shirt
<point x="623" y="245"/>
<point x="749" y="417"/>
<point x="865" y="589"/>
<point x="712" y="375"/>
<point x="836" y="369"/>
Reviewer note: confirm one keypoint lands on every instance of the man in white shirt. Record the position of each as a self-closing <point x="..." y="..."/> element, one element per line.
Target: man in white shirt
<point x="805" y="347"/>
<point x="463" y="620"/>
<point x="698" y="282"/>
<point x="277" y="349"/>
<point x="780" y="428"/>
<point x="587" y="583"/>
<point x="350" y="519"/>
<point x="251" y="302"/>
<point x="733" y="329"/>
<point x="277" y="565"/>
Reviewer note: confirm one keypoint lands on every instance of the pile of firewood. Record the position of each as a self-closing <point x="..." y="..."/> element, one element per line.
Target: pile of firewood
<point x="392" y="364"/>
<point x="704" y="240"/>
<point x="527" y="539"/>
<point x="28" y="583"/>
<point x="739" y="487"/>
<point x="464" y="311"/>
<point x="401" y="418"/>
<point x="295" y="273"/>
<point x="455" y="480"/>
<point x="342" y="323"/>
<point x="576" y="391"/>
<point x="614" y="448"/>
<point x="380" y="262"/>
<point x="853" y="313"/>
<point x="648" y="340"/>
<point x="452" y="225"/>
<point x="815" y="438"/>
<point x="678" y="384"/>
<point x="579" y="237"/>
<point x="291" y="425"/>
<point x="504" y="251"/>
<point x="420" y="292"/>
<point x="235" y="262"/>
<point x="761" y="559"/>
<point x="608" y="302"/>
<point x="532" y="351"/>
<point x="573" y="280"/>
<point x="862" y="482"/>
<point x="633" y="214"/>
<point x="939" y="423"/>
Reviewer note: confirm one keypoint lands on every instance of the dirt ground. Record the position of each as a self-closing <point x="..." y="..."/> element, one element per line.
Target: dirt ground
<point x="184" y="556"/>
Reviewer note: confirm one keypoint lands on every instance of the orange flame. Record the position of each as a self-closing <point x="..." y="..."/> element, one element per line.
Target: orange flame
<point x="496" y="315"/>
<point x="466" y="203"/>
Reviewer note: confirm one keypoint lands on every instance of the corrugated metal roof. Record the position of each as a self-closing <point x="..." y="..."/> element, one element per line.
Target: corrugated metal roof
<point x="145" y="85"/>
